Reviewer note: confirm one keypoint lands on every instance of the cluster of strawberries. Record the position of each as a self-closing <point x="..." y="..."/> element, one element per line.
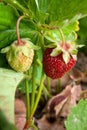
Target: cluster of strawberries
<point x="20" y="58"/>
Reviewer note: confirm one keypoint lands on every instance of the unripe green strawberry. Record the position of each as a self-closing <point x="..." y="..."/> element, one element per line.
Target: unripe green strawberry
<point x="20" y="57"/>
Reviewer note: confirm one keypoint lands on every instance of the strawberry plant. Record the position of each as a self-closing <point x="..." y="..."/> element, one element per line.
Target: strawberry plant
<point x="37" y="40"/>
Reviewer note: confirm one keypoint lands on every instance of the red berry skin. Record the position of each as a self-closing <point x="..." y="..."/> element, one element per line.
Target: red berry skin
<point x="70" y="64"/>
<point x="54" y="66"/>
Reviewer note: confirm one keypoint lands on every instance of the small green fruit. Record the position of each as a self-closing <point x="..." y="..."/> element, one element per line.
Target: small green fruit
<point x="20" y="57"/>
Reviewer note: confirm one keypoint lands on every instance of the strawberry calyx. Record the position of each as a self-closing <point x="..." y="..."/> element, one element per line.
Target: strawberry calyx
<point x="16" y="49"/>
<point x="20" y="42"/>
<point x="66" y="49"/>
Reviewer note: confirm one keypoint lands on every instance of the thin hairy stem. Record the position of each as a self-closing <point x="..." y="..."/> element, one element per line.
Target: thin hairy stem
<point x="17" y="29"/>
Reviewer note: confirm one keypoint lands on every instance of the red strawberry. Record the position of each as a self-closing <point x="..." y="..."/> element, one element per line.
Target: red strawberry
<point x="55" y="66"/>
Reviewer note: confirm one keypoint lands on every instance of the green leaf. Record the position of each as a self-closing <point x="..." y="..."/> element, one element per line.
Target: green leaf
<point x="50" y="11"/>
<point x="38" y="10"/>
<point x="69" y="32"/>
<point x="8" y="36"/>
<point x="53" y="36"/>
<point x="58" y="11"/>
<point x="8" y="16"/>
<point x="19" y="5"/>
<point x="43" y="5"/>
<point x="9" y="80"/>
<point x="23" y="3"/>
<point x="4" y="124"/>
<point x="62" y="10"/>
<point x="77" y="119"/>
<point x="8" y="19"/>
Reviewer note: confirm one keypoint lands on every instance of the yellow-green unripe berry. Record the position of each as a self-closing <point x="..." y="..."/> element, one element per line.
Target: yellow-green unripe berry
<point x="20" y="57"/>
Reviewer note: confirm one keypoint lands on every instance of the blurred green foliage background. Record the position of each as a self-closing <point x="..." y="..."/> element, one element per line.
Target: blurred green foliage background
<point x="82" y="35"/>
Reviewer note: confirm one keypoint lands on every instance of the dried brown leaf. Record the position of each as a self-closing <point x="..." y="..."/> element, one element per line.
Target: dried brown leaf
<point x="72" y="100"/>
<point x="56" y="103"/>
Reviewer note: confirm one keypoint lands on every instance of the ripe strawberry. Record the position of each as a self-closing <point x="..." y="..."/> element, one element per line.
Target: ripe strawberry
<point x="20" y="56"/>
<point x="55" y="66"/>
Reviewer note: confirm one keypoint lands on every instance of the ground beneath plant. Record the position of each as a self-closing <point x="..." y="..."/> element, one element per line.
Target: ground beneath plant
<point x="52" y="113"/>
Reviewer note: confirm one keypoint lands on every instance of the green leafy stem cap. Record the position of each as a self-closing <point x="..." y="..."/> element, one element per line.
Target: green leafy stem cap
<point x="67" y="49"/>
<point x="23" y="48"/>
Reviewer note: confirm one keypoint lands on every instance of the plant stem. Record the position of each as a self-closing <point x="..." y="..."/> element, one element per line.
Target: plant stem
<point x="17" y="29"/>
<point x="62" y="35"/>
<point x="39" y="62"/>
<point x="33" y="82"/>
<point x="37" y="101"/>
<point x="39" y="92"/>
<point x="33" y="126"/>
<point x="59" y="86"/>
<point x="47" y="92"/>
<point x="48" y="83"/>
<point x="28" y="110"/>
<point x="18" y="6"/>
